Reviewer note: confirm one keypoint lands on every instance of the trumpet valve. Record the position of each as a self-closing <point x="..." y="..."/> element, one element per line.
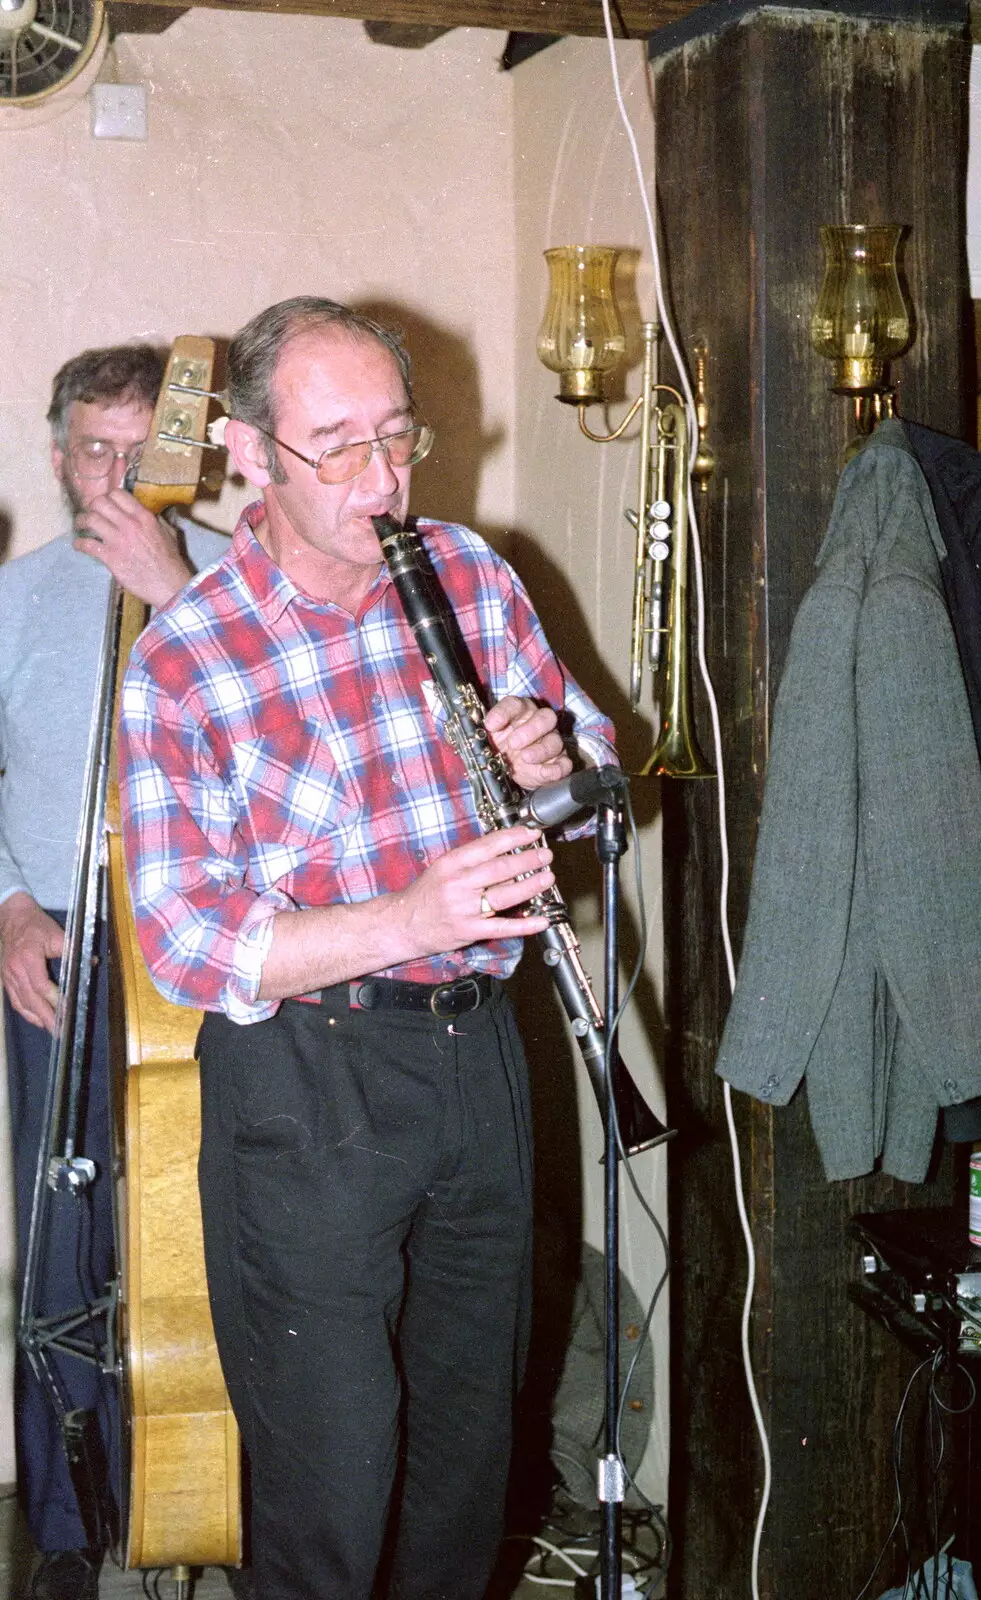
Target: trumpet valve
<point x="659" y="531"/>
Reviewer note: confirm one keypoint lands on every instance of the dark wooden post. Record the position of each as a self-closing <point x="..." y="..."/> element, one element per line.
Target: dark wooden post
<point x="772" y="121"/>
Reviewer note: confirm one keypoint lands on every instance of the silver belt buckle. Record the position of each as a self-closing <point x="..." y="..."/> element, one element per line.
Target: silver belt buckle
<point x="457" y="990"/>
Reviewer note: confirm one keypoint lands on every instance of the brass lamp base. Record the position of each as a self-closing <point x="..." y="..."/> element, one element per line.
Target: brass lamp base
<point x="869" y="410"/>
<point x="580" y="387"/>
<point x="858" y="375"/>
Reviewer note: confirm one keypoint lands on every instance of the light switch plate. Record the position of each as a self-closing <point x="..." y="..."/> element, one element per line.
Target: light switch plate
<point x="118" y="110"/>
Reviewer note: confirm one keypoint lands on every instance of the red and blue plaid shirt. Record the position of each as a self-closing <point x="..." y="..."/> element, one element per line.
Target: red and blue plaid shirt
<point x="277" y="753"/>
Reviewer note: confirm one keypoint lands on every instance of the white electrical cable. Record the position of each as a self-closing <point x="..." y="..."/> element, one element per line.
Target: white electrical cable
<point x="563" y="1555"/>
<point x="682" y="371"/>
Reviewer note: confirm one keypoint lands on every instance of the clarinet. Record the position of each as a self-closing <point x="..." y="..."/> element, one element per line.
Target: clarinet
<point x="497" y="798"/>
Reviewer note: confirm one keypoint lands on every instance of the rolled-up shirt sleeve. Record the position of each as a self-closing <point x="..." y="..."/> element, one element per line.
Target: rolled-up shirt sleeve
<point x="203" y="931"/>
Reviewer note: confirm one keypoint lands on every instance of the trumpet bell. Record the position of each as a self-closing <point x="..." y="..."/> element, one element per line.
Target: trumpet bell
<point x="677" y="754"/>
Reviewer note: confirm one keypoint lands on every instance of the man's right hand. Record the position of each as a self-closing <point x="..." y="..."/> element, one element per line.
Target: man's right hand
<point x="29" y="939"/>
<point x="476" y="891"/>
<point x="139" y="549"/>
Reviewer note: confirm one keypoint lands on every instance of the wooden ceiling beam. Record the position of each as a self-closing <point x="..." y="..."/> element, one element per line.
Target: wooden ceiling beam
<point x="633" y="19"/>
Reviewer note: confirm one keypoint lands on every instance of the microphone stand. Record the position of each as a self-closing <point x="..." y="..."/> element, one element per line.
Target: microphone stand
<point x="611" y="844"/>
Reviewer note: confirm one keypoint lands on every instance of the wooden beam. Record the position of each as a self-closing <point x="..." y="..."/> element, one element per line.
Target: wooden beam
<point x="134" y="16"/>
<point x="765" y="132"/>
<point x="634" y="19"/>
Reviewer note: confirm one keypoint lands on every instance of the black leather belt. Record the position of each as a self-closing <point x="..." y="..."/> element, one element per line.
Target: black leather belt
<point x="443" y="1000"/>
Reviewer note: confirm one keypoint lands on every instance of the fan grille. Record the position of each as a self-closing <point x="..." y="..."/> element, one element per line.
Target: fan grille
<point x="52" y="44"/>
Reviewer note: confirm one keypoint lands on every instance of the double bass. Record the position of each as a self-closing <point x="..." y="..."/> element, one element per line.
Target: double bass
<point x="180" y="1480"/>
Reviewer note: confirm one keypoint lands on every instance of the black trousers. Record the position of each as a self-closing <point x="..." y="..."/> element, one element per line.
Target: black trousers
<point x="78" y="1262"/>
<point x="366" y="1192"/>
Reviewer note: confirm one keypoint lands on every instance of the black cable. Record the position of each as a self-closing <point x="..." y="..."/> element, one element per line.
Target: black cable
<point x="898" y="1432"/>
<point x="624" y="1159"/>
<point x="960" y="1411"/>
<point x="84" y="1207"/>
<point x="87" y="1294"/>
<point x="625" y="1163"/>
<point x="937" y="1407"/>
<point x="935" y="1432"/>
<point x="624" y="30"/>
<point x="897" y="1435"/>
<point x="916" y="1584"/>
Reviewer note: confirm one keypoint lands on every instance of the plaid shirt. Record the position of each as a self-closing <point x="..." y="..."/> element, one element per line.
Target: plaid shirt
<point x="278" y="753"/>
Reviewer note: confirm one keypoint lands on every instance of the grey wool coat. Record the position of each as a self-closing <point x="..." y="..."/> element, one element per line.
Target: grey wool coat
<point x="861" y="963"/>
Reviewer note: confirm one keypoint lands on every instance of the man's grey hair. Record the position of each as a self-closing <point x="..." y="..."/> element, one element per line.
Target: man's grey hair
<point x="116" y="375"/>
<point x="255" y="351"/>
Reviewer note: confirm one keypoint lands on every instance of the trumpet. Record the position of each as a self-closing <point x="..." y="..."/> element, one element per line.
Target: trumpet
<point x="659" y="622"/>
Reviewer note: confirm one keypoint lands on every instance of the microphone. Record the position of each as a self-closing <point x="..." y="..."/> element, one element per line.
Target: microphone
<point x="555" y="802"/>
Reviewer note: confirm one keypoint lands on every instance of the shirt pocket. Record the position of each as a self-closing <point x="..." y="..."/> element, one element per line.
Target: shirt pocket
<point x="294" y="803"/>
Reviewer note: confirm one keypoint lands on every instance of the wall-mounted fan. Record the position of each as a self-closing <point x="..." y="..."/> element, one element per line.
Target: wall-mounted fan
<point x="50" y="52"/>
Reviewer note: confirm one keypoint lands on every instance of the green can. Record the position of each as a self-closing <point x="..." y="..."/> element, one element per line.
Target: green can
<point x="974" y="1192"/>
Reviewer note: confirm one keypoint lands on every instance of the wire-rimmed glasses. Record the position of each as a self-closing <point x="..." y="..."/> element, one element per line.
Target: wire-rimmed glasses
<point x="95" y="458"/>
<point x="342" y="462"/>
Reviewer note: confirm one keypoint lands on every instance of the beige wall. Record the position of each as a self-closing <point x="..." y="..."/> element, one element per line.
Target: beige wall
<point x="290" y="155"/>
<point x="286" y="155"/>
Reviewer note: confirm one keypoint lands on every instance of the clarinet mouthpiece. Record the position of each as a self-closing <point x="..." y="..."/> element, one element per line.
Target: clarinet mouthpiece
<point x="385" y="526"/>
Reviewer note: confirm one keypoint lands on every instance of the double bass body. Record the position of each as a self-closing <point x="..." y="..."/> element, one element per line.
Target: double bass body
<point x="183" y="1483"/>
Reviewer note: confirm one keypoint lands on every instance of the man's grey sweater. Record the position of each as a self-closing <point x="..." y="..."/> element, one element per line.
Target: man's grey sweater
<point x="52" y="615"/>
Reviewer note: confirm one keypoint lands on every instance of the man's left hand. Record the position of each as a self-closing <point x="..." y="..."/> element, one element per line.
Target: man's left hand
<point x="527" y="736"/>
<point x="140" y="551"/>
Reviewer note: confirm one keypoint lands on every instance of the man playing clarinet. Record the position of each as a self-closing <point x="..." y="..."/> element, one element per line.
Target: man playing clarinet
<point x="308" y="866"/>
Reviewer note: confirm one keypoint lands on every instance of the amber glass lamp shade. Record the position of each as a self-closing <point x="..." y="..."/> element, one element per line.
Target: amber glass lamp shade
<point x="581" y="335"/>
<point x="861" y="320"/>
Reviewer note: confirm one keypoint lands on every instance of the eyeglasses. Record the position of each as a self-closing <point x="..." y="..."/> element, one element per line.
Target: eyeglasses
<point x="346" y="461"/>
<point x="94" y="458"/>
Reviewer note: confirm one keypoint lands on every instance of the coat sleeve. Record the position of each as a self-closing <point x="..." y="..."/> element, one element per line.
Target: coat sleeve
<point x="920" y="785"/>
<point x="794" y="942"/>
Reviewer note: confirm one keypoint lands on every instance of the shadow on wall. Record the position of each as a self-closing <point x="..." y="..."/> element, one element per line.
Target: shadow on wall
<point x="446" y="388"/>
<point x="6" y="533"/>
<point x="570" y="636"/>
